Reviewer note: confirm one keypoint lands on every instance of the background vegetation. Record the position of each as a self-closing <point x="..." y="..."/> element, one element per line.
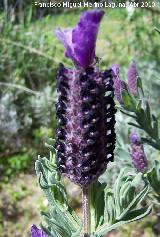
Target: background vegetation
<point x="29" y="57"/>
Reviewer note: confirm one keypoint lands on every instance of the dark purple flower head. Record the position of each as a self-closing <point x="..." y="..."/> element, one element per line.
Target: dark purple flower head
<point x="35" y="232"/>
<point x="132" y="78"/>
<point x="137" y="153"/>
<point x="80" y="42"/>
<point x="86" y="119"/>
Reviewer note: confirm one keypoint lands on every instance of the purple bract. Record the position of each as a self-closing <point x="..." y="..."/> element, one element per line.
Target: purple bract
<point x="80" y="41"/>
<point x="132" y="78"/>
<point x="118" y="83"/>
<point x="35" y="232"/>
<point x="137" y="153"/>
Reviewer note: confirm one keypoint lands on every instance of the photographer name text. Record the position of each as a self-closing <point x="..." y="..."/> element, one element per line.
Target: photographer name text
<point x="95" y="5"/>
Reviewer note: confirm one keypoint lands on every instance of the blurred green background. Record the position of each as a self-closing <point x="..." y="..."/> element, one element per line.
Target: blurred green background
<point x="29" y="57"/>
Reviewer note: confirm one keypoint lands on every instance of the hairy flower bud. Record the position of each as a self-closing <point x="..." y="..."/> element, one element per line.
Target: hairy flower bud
<point x="137" y="153"/>
<point x="35" y="232"/>
<point x="86" y="119"/>
<point x="132" y="78"/>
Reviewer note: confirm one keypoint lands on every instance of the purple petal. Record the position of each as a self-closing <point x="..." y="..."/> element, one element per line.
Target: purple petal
<point x="65" y="37"/>
<point x="80" y="42"/>
<point x="132" y="78"/>
<point x="35" y="232"/>
<point x="115" y="70"/>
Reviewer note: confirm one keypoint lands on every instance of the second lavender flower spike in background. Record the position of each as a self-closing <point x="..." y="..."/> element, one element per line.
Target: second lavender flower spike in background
<point x="85" y="108"/>
<point x="117" y="83"/>
<point x="132" y="77"/>
<point x="139" y="159"/>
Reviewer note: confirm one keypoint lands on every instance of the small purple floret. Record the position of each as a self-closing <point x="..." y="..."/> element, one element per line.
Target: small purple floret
<point x="137" y="153"/>
<point x="35" y="232"/>
<point x="80" y="41"/>
<point x="132" y="78"/>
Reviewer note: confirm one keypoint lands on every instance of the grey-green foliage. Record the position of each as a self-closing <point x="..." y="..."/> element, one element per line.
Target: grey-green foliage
<point x="97" y="204"/>
<point x="121" y="202"/>
<point x="61" y="220"/>
<point x="27" y="64"/>
<point x="21" y="114"/>
<point x="8" y="116"/>
<point x="110" y="207"/>
<point x="12" y="121"/>
<point x="153" y="177"/>
<point x="139" y="109"/>
<point x="43" y="106"/>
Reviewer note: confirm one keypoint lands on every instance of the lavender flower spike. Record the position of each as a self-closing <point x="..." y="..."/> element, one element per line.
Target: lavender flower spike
<point x="86" y="118"/>
<point x="35" y="232"/>
<point x="80" y="41"/>
<point x="118" y="83"/>
<point x="132" y="78"/>
<point x="85" y="137"/>
<point x="137" y="153"/>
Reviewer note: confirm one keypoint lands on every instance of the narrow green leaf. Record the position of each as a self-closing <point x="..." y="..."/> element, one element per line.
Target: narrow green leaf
<point x="138" y="198"/>
<point x="117" y="188"/>
<point x="155" y="127"/>
<point x="151" y="142"/>
<point x="110" y="206"/>
<point x="139" y="105"/>
<point x="134" y="125"/>
<point x="136" y="181"/>
<point x="130" y="115"/>
<point x="148" y="112"/>
<point x="139" y="214"/>
<point x="129" y="102"/>
<point x="97" y="203"/>
<point x="140" y="87"/>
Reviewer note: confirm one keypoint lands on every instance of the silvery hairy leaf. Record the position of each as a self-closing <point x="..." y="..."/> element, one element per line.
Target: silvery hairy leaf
<point x="61" y="220"/>
<point x="153" y="177"/>
<point x="97" y="204"/>
<point x="123" y="201"/>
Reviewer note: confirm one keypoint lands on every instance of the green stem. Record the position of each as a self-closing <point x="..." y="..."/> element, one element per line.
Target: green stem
<point x="86" y="211"/>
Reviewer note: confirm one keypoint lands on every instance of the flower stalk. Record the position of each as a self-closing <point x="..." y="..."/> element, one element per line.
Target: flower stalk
<point x="86" y="211"/>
